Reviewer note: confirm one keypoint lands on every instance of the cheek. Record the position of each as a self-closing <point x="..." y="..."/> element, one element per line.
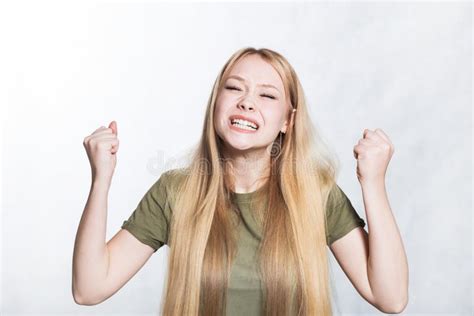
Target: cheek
<point x="223" y="105"/>
<point x="273" y="118"/>
<point x="219" y="115"/>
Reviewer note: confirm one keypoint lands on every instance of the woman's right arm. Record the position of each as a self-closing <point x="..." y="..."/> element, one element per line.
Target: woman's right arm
<point x="100" y="269"/>
<point x="91" y="256"/>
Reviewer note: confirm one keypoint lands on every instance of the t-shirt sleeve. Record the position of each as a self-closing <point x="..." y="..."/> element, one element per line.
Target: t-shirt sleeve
<point x="150" y="220"/>
<point x="340" y="215"/>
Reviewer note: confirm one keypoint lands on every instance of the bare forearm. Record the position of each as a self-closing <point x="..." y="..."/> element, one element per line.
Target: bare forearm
<point x="90" y="258"/>
<point x="387" y="267"/>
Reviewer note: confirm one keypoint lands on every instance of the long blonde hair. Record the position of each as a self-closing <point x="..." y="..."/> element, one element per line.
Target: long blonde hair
<point x="293" y="258"/>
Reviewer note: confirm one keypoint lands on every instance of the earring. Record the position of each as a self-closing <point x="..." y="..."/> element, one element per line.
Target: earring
<point x="281" y="133"/>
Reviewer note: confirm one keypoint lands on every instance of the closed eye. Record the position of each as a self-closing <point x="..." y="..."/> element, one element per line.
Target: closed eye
<point x="264" y="95"/>
<point x="232" y="88"/>
<point x="268" y="96"/>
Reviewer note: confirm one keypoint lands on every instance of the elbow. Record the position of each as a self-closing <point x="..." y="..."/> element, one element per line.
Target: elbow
<point x="78" y="299"/>
<point x="395" y="308"/>
<point x="86" y="302"/>
<point x="81" y="300"/>
<point x="86" y="297"/>
<point x="75" y="295"/>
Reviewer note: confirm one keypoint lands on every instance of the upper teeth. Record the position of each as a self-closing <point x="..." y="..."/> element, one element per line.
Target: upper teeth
<point x="244" y="122"/>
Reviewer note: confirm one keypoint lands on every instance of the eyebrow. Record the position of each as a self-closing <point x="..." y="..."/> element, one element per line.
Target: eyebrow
<point x="262" y="84"/>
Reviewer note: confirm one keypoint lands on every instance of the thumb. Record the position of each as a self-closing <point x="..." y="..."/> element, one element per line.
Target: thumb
<point x="113" y="126"/>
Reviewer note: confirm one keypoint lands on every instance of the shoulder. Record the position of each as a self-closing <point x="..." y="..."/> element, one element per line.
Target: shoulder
<point x="175" y="175"/>
<point x="170" y="180"/>
<point x="336" y="195"/>
<point x="338" y="204"/>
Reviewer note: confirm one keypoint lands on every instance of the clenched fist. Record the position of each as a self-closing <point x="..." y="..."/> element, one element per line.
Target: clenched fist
<point x="373" y="153"/>
<point x="101" y="147"/>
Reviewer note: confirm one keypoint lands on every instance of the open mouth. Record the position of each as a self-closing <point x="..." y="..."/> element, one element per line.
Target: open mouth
<point x="243" y="123"/>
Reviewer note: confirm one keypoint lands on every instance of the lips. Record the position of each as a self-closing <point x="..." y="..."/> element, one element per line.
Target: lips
<point x="241" y="117"/>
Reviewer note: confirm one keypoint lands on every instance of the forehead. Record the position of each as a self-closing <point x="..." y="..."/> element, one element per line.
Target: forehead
<point x="254" y="69"/>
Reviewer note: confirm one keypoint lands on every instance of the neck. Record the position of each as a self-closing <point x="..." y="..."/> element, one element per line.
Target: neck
<point x="249" y="168"/>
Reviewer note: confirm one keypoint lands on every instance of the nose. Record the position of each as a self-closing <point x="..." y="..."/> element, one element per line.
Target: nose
<point x="245" y="105"/>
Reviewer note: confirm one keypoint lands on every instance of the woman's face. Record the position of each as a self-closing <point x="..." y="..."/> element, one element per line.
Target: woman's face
<point x="252" y="92"/>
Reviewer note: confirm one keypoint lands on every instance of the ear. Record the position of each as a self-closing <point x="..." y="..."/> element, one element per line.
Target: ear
<point x="286" y="123"/>
<point x="285" y="127"/>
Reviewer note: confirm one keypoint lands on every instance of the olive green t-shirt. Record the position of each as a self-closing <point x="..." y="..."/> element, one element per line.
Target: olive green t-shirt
<point x="150" y="222"/>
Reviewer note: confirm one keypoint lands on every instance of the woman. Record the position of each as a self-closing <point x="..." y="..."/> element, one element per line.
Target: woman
<point x="249" y="219"/>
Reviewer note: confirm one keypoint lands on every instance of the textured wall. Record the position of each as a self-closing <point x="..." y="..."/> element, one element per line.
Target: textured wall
<point x="67" y="69"/>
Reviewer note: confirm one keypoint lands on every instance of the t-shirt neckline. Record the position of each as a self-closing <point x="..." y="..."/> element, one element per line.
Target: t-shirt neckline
<point x="245" y="197"/>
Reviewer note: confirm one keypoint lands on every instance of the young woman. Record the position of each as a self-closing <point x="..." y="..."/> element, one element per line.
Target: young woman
<point x="249" y="218"/>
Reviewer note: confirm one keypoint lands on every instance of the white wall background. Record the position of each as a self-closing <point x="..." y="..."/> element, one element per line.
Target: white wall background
<point x="69" y="67"/>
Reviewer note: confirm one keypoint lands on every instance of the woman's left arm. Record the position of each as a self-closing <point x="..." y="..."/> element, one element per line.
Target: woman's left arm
<point x="387" y="267"/>
<point x="376" y="262"/>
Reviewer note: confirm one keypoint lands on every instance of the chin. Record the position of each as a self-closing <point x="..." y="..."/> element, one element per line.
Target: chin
<point x="239" y="145"/>
<point x="234" y="143"/>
